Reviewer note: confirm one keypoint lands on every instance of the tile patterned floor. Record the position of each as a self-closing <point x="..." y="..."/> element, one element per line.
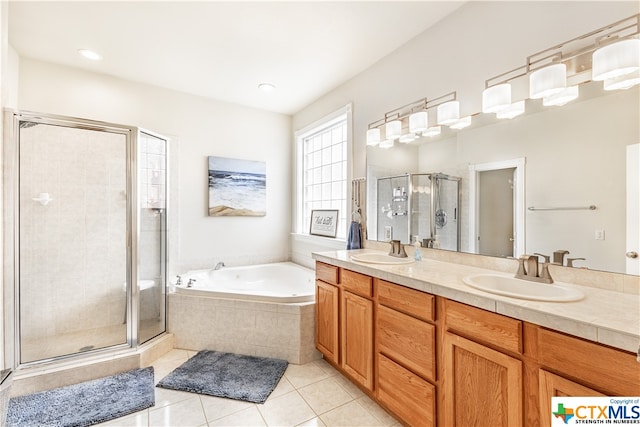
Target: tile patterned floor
<point x="314" y="394"/>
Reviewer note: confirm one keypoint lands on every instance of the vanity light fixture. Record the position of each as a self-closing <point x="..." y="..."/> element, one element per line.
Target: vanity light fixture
<point x="616" y="59"/>
<point x="514" y="110"/>
<point x="496" y="98"/>
<point x="89" y="54"/>
<point x="409" y="122"/>
<point x="579" y="60"/>
<point x="448" y="113"/>
<point x="462" y="123"/>
<point x="373" y="136"/>
<point x="547" y="81"/>
<point x="622" y="82"/>
<point x="561" y="98"/>
<point x="393" y="130"/>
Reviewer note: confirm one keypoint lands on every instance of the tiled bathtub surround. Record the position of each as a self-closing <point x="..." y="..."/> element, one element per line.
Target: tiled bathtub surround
<point x="284" y="331"/>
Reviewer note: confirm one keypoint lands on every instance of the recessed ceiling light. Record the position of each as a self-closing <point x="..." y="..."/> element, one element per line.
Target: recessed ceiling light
<point x="266" y="87"/>
<point x="89" y="54"/>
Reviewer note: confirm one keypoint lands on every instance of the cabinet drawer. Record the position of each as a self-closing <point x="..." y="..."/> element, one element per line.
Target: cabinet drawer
<point x="416" y="303"/>
<point x="605" y="369"/>
<point x="327" y="273"/>
<point x="406" y="394"/>
<point x="484" y="326"/>
<point x="407" y="340"/>
<point x="357" y="283"/>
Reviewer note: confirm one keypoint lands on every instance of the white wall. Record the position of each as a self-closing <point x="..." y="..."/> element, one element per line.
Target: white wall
<point x="198" y="127"/>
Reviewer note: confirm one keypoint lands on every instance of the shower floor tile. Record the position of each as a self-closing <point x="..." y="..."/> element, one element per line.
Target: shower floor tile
<point x="76" y="342"/>
<point x="293" y="402"/>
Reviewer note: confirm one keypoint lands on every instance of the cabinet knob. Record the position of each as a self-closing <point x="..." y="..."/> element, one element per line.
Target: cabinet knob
<point x="632" y="254"/>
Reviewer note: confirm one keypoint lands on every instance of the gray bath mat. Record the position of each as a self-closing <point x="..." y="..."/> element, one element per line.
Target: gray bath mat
<point x="235" y="376"/>
<point x="87" y="403"/>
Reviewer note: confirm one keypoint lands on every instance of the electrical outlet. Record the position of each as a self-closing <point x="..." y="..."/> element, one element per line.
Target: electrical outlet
<point x="388" y="233"/>
<point x="599" y="234"/>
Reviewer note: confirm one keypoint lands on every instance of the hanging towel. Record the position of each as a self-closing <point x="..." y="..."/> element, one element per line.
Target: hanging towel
<point x="354" y="239"/>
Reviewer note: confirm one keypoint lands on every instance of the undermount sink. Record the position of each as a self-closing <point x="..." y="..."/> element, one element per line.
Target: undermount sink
<point x="523" y="289"/>
<point x="380" y="258"/>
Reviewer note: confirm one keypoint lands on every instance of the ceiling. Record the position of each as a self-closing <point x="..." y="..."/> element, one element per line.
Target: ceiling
<point x="223" y="50"/>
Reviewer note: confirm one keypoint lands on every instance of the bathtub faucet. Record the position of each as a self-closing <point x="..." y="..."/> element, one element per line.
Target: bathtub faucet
<point x="219" y="265"/>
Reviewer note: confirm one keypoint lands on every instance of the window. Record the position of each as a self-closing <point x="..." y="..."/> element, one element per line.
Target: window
<point x="322" y="170"/>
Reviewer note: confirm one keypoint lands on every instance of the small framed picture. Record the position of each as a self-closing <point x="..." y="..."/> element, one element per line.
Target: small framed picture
<point x="324" y="222"/>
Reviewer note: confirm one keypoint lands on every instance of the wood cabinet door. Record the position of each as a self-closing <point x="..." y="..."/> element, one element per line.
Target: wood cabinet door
<point x="327" y="299"/>
<point x="481" y="386"/>
<point x="551" y="385"/>
<point x="405" y="393"/>
<point x="407" y="340"/>
<point x="357" y="338"/>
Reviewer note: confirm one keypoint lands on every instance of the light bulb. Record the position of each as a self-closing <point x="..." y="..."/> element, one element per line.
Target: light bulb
<point x="448" y="113"/>
<point x="547" y="81"/>
<point x="393" y="129"/>
<point x="616" y="59"/>
<point x="418" y="122"/>
<point x="373" y="136"/>
<point x="496" y="98"/>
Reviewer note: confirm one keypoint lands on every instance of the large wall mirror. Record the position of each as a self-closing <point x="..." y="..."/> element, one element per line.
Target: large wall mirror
<point x="553" y="179"/>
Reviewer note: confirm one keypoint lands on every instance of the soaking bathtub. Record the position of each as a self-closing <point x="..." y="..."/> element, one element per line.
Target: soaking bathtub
<point x="283" y="282"/>
<point x="263" y="310"/>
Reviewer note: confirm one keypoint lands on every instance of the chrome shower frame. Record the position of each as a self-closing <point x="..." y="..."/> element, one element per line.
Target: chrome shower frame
<point x="11" y="225"/>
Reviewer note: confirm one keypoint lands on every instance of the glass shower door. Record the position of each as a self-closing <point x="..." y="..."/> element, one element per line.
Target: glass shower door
<point x="152" y="248"/>
<point x="72" y="240"/>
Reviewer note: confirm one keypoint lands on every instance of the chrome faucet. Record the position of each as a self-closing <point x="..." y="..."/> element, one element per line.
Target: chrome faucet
<point x="179" y="281"/>
<point x="528" y="269"/>
<point x="219" y="265"/>
<point x="397" y="250"/>
<point x="191" y="282"/>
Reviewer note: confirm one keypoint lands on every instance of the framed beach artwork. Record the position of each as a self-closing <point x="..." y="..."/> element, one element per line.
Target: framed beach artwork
<point x="237" y="187"/>
<point x="324" y="222"/>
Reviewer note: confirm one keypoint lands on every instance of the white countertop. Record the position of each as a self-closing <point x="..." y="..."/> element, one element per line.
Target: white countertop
<point x="607" y="317"/>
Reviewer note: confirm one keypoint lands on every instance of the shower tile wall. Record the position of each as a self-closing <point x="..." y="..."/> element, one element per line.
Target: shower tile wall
<point x="152" y="197"/>
<point x="73" y="250"/>
<point x="152" y="171"/>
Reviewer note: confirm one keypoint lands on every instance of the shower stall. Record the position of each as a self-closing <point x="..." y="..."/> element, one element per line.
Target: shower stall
<point x="85" y="236"/>
<point x="422" y="206"/>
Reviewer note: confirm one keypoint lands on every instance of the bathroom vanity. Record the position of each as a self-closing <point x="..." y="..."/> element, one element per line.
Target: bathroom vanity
<point x="436" y="352"/>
